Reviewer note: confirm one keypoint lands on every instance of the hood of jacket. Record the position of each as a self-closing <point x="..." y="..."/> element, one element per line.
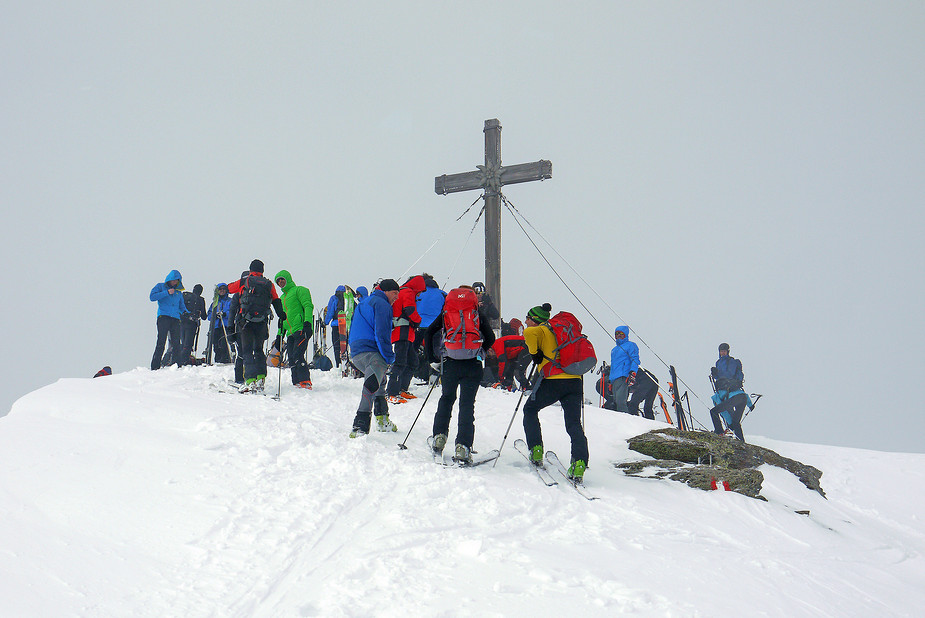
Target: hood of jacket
<point x="362" y="291"/>
<point x="289" y="282"/>
<point x="626" y="333"/>
<point x="416" y="283"/>
<point x="175" y="274"/>
<point x="340" y="288"/>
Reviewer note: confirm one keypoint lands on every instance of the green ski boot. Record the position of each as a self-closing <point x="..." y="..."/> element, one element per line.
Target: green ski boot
<point x="576" y="471"/>
<point x="384" y="424"/>
<point x="536" y="455"/>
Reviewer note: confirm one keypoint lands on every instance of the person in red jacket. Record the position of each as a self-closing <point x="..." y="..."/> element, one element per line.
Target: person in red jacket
<point x="513" y="359"/>
<point x="405" y="320"/>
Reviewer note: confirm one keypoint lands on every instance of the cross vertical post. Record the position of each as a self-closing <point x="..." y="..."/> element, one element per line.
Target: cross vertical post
<point x="490" y="178"/>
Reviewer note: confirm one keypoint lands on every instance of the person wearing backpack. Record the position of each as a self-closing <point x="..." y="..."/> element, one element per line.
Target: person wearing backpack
<point x="466" y="333"/>
<point x="336" y="304"/>
<point x="189" y="323"/>
<point x="170" y="307"/>
<point x="405" y="319"/>
<point x="256" y="296"/>
<point x="429" y="305"/>
<point x="297" y="304"/>
<point x="624" y="362"/>
<point x="371" y="352"/>
<point x="513" y="358"/>
<point x="730" y="400"/>
<point x="554" y="385"/>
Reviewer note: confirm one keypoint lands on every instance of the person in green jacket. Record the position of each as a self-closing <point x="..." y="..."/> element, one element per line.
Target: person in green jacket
<point x="297" y="327"/>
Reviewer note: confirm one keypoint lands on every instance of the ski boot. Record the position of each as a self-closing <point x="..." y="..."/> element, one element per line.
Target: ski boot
<point x="306" y="384"/>
<point x="536" y="455"/>
<point x="439" y="443"/>
<point x="259" y="384"/>
<point x="406" y="395"/>
<point x="384" y="424"/>
<point x="576" y="471"/>
<point x="463" y="454"/>
<point x="248" y="386"/>
<point x="357" y="433"/>
<point x="395" y="399"/>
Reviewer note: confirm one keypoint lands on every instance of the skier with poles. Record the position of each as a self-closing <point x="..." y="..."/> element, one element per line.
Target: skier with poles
<point x="466" y="332"/>
<point x="729" y="400"/>
<point x="553" y="385"/>
<point x="220" y="316"/>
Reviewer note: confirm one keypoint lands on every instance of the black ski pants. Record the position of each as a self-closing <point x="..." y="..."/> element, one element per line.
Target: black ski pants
<point x="253" y="336"/>
<point x="220" y="346"/>
<point x="296" y="346"/>
<point x="568" y="392"/>
<point x="335" y="343"/>
<point x="464" y="376"/>
<point x="734" y="406"/>
<point x="166" y="327"/>
<point x="644" y="393"/>
<point x="187" y="338"/>
<point x="406" y="360"/>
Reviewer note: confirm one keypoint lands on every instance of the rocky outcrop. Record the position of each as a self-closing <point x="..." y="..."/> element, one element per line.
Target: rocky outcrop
<point x="698" y="457"/>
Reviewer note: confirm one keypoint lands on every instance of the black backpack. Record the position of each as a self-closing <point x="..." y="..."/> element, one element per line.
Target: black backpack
<point x="189" y="299"/>
<point x="256" y="298"/>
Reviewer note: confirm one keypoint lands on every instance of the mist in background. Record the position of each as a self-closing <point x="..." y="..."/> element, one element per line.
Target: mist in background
<point x="723" y="171"/>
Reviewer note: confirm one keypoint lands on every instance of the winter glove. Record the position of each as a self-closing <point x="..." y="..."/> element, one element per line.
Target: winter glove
<point x="308" y="330"/>
<point x="631" y="378"/>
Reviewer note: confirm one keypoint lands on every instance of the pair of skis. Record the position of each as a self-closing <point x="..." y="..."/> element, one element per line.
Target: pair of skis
<point x="546" y="477"/>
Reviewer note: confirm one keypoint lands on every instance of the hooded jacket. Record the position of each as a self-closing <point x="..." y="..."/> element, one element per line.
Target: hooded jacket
<point x="624" y="357"/>
<point x="429" y="303"/>
<point x="330" y="314"/>
<point x="372" y="325"/>
<point x="168" y="304"/>
<point x="223" y="303"/>
<point x="297" y="303"/>
<point x="405" y="317"/>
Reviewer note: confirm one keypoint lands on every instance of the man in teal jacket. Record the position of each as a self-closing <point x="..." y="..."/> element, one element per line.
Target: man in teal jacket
<point x="297" y="327"/>
<point x="170" y="306"/>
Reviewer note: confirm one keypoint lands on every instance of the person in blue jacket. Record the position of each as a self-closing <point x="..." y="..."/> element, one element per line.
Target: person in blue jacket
<point x="220" y="310"/>
<point x="429" y="305"/>
<point x="730" y="400"/>
<point x="370" y="340"/>
<point x="624" y="362"/>
<point x="335" y="305"/>
<point x="170" y="306"/>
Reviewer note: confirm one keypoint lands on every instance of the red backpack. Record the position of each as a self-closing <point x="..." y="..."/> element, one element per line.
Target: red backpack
<point x="462" y="338"/>
<point x="574" y="354"/>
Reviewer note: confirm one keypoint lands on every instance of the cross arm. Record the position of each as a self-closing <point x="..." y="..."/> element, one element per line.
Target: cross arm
<point x="525" y="172"/>
<point x="454" y="183"/>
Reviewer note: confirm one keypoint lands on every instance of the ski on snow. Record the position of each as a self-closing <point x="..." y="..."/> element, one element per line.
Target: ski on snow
<point x="521" y="447"/>
<point x="553" y="460"/>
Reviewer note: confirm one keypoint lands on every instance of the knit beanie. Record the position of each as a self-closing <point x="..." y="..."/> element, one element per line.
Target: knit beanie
<point x="257" y="266"/>
<point x="724" y="346"/>
<point x="388" y="285"/>
<point x="540" y="314"/>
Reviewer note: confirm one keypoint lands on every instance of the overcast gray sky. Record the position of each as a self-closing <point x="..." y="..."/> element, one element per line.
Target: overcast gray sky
<point x="747" y="172"/>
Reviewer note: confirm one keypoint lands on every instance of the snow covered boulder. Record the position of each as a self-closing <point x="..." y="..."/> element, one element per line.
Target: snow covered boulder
<point x="698" y="457"/>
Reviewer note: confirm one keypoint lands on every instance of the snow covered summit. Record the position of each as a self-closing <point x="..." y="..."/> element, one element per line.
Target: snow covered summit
<point x="154" y="494"/>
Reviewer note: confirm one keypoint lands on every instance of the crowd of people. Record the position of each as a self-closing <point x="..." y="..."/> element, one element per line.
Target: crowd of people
<point x="396" y="332"/>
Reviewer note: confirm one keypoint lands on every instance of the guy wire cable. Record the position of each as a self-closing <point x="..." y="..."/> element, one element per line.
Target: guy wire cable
<point x="404" y="274"/>
<point x="513" y="209"/>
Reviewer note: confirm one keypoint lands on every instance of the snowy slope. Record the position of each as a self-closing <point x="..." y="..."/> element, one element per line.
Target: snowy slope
<point x="152" y="494"/>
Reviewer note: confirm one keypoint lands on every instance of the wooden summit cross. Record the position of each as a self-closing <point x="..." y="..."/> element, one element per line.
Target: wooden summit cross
<point x="491" y="177"/>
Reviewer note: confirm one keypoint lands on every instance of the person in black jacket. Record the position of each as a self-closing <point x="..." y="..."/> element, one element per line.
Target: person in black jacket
<point x="189" y="322"/>
<point x="462" y="375"/>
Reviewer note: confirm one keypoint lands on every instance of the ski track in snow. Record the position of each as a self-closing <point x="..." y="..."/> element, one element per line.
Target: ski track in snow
<point x="151" y="493"/>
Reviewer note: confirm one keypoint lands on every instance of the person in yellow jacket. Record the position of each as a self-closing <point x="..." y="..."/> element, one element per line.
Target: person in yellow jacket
<point x="562" y="387"/>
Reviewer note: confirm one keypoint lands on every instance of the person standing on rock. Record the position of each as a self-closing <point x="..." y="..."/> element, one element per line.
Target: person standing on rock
<point x="729" y="400"/>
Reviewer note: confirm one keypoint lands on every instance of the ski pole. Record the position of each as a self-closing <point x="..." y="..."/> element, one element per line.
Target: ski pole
<point x="754" y="403"/>
<point x="516" y="408"/>
<point x="279" y="385"/>
<point x="402" y="445"/>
